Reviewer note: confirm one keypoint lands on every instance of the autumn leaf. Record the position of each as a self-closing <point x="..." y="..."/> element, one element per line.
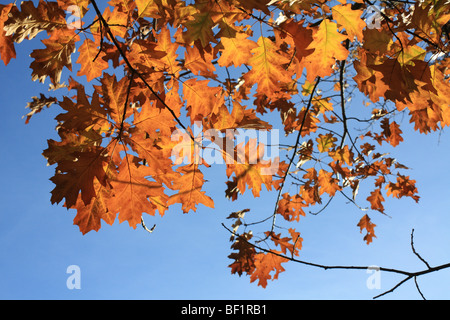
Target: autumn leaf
<point x="159" y="81"/>
<point x="243" y="259"/>
<point x="7" y="50"/>
<point x="31" y="20"/>
<point x="148" y="8"/>
<point x="404" y="187"/>
<point x="81" y="6"/>
<point x="265" y="264"/>
<point x="77" y="176"/>
<point x="350" y="20"/>
<point x="392" y="132"/>
<point x="266" y="70"/>
<point x="200" y="29"/>
<point x="325" y="142"/>
<point x="376" y="41"/>
<point x="91" y="60"/>
<point x="115" y="94"/>
<point x="327" y="183"/>
<point x="189" y="187"/>
<point x="83" y="114"/>
<point x="37" y="105"/>
<point x="344" y="155"/>
<point x="251" y="169"/>
<point x="200" y="62"/>
<point x="291" y="207"/>
<point x="202" y="99"/>
<point x="376" y="200"/>
<point x="366" y="223"/>
<point x="328" y="48"/>
<point x="134" y="194"/>
<point x="290" y="244"/>
<point x="117" y="21"/>
<point x="57" y="55"/>
<point x="237" y="51"/>
<point x="88" y="217"/>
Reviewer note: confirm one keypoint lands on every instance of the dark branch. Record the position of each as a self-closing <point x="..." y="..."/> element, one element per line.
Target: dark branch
<point x="132" y="69"/>
<point x="409" y="275"/>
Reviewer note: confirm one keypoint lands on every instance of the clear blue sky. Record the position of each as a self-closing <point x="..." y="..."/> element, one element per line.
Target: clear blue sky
<point x="186" y="256"/>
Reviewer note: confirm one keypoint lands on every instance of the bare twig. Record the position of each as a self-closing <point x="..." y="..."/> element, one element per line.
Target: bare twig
<point x="414" y="250"/>
<point x="418" y="289"/>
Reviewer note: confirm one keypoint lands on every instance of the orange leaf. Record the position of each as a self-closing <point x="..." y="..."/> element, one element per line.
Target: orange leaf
<point x="327" y="183"/>
<point x="267" y="71"/>
<point x="376" y="199"/>
<point x="285" y="242"/>
<point x="365" y="223"/>
<point x="265" y="263"/>
<point x="291" y="207"/>
<point x="49" y="62"/>
<point x="90" y="68"/>
<point x="200" y="29"/>
<point x="189" y="187"/>
<point x="7" y="50"/>
<point x="344" y="155"/>
<point x="251" y="169"/>
<point x="89" y="216"/>
<point x="134" y="194"/>
<point x="392" y="132"/>
<point x="328" y="48"/>
<point x="236" y="51"/>
<point x="202" y="100"/>
<point x="350" y="20"/>
<point x="325" y="142"/>
<point x="78" y="174"/>
<point x="405" y="187"/>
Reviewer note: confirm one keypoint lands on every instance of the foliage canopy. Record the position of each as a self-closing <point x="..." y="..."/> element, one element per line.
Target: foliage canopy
<point x="151" y="72"/>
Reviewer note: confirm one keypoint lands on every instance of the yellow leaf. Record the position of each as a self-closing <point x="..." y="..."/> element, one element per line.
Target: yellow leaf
<point x="349" y="20"/>
<point x="267" y="70"/>
<point x="328" y="48"/>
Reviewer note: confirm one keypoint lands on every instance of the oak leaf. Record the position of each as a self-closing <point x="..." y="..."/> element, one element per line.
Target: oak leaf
<point x="134" y="194"/>
<point x="189" y="187"/>
<point x="91" y="60"/>
<point x="291" y="207"/>
<point x="365" y="223"/>
<point x="328" y="48"/>
<point x="327" y="183"/>
<point x="236" y="51"/>
<point x="376" y="200"/>
<point x="7" y="50"/>
<point x="265" y="264"/>
<point x="350" y="20"/>
<point x="50" y="62"/>
<point x="267" y="70"/>
<point x="77" y="176"/>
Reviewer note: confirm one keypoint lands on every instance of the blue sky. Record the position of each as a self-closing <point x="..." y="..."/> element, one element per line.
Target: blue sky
<point x="186" y="256"/>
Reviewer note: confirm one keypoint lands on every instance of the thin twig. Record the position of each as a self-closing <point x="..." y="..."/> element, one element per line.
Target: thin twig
<point x="297" y="142"/>
<point x="414" y="250"/>
<point x="418" y="289"/>
<point x="127" y="62"/>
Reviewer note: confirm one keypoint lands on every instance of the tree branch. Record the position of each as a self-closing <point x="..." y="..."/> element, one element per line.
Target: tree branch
<point x="132" y="69"/>
<point x="409" y="275"/>
<point x="297" y="142"/>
